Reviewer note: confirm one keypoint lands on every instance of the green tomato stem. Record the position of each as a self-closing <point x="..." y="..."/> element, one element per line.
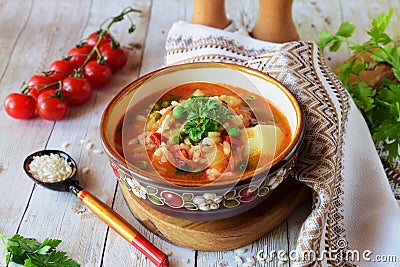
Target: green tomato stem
<point x="104" y="31"/>
<point x="2" y="236"/>
<point x="114" y="44"/>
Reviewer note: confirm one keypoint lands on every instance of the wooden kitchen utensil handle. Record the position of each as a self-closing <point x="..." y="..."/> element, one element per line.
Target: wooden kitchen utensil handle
<point x="122" y="227"/>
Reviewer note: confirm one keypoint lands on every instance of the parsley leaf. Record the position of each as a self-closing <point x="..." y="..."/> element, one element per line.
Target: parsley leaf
<point x="198" y="128"/>
<point x="379" y="102"/>
<point x="325" y="38"/>
<point x="204" y="114"/>
<point x="379" y="25"/>
<point x="30" y="253"/>
<point x="346" y="29"/>
<point x="206" y="107"/>
<point x="363" y="95"/>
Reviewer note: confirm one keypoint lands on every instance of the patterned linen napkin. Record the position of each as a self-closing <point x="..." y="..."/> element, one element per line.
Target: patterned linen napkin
<point x="355" y="212"/>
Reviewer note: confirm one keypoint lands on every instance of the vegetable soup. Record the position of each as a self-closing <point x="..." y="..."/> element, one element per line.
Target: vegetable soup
<point x="200" y="132"/>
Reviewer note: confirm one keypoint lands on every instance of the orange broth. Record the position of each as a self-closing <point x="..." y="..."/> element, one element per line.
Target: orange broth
<point x="265" y="112"/>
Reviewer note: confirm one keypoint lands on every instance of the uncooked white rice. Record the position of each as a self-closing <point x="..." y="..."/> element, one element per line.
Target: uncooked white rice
<point x="89" y="146"/>
<point x="85" y="170"/>
<point x="241" y="251"/>
<point x="251" y="260"/>
<point x="50" y="168"/>
<point x="98" y="151"/>
<point x="238" y="259"/>
<point x="168" y="252"/>
<point x="65" y="145"/>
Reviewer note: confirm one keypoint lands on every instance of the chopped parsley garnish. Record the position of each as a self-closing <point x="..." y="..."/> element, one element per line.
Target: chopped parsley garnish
<point x="204" y="114"/>
<point x="198" y="128"/>
<point x="207" y="107"/>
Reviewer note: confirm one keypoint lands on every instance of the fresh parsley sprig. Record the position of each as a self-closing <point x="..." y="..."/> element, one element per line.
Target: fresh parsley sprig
<point x="204" y="114"/>
<point x="206" y="107"/>
<point x="198" y="128"/>
<point x="30" y="253"/>
<point x="380" y="102"/>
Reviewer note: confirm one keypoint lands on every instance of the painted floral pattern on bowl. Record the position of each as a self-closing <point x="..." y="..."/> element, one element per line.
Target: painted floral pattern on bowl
<point x="206" y="201"/>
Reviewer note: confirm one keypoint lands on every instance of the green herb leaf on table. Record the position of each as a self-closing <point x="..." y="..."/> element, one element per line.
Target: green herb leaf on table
<point x="378" y="29"/>
<point x="30" y="253"/>
<point x="345" y="30"/>
<point x="363" y="95"/>
<point x="380" y="102"/>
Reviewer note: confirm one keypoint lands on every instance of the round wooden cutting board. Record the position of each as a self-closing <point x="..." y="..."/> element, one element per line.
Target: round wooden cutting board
<point x="223" y="234"/>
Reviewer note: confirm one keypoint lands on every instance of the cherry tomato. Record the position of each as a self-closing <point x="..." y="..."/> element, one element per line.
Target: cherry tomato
<point x="37" y="82"/>
<point x="79" y="54"/>
<point x="62" y="68"/>
<point x="19" y="106"/>
<point x="49" y="107"/>
<point x="76" y="90"/>
<point x="94" y="37"/>
<point x="115" y="57"/>
<point x="97" y="74"/>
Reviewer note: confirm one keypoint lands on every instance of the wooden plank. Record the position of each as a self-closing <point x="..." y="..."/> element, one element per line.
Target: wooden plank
<point x="311" y="17"/>
<point x="276" y="240"/>
<point x="117" y="251"/>
<point x="242" y="12"/>
<point x="83" y="234"/>
<point x="370" y="10"/>
<point x="31" y="47"/>
<point x="159" y="25"/>
<point x="11" y="35"/>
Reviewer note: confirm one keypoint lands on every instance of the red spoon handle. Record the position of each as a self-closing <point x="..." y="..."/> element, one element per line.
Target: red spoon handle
<point x="122" y="227"/>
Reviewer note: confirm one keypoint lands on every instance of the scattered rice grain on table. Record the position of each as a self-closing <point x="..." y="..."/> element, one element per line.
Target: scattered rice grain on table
<point x="89" y="146"/>
<point x="282" y="263"/>
<point x="98" y="151"/>
<point x="250" y="259"/>
<point x="65" y="145"/>
<point x="240" y="251"/>
<point x="248" y="264"/>
<point x="134" y="256"/>
<point x="238" y="259"/>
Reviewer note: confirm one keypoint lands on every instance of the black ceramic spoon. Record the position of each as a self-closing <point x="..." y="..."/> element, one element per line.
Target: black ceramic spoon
<point x="109" y="216"/>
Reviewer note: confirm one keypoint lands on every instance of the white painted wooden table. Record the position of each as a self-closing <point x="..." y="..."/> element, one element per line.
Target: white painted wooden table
<point x="35" y="33"/>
